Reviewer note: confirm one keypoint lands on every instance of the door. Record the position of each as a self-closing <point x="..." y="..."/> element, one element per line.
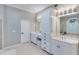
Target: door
<point x="55" y="47"/>
<point x="25" y="31"/>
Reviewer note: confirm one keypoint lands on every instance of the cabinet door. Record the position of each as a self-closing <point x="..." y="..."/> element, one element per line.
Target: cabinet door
<point x="68" y="49"/>
<point x="46" y="45"/>
<point x="33" y="37"/>
<point x="55" y="47"/>
<point x="63" y="48"/>
<point x="45" y="27"/>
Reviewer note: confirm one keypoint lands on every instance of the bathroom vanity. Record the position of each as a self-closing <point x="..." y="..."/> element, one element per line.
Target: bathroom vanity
<point x="59" y="33"/>
<point x="61" y="46"/>
<point x="65" y="36"/>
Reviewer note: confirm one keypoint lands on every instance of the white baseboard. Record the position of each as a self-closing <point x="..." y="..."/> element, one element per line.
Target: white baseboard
<point x="12" y="46"/>
<point x="8" y="52"/>
<point x="15" y="45"/>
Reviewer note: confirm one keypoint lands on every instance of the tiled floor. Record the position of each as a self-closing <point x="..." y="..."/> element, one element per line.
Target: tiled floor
<point x="28" y="49"/>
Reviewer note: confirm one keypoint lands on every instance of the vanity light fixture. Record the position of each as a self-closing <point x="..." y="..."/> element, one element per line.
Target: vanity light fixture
<point x="67" y="10"/>
<point x="70" y="10"/>
<point x="38" y="18"/>
<point x="74" y="10"/>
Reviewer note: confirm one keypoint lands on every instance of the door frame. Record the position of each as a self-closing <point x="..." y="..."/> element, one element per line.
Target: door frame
<point x="29" y="28"/>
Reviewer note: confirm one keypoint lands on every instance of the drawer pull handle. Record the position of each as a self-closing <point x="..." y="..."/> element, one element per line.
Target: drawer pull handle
<point x="58" y="46"/>
<point x="44" y="42"/>
<point x="44" y="39"/>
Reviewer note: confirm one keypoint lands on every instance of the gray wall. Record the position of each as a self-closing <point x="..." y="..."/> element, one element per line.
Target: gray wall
<point x="1" y="18"/>
<point x="1" y="10"/>
<point x="12" y="26"/>
<point x="0" y="33"/>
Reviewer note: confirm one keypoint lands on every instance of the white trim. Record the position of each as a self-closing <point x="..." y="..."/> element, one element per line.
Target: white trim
<point x="1" y="18"/>
<point x="19" y="8"/>
<point x="68" y="14"/>
<point x="12" y="46"/>
<point x="2" y="33"/>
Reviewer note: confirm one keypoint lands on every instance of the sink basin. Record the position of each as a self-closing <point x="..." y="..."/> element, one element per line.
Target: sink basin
<point x="69" y="38"/>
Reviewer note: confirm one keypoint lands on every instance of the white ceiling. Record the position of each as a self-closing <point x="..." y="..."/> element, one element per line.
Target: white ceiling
<point x="30" y="7"/>
<point x="34" y="8"/>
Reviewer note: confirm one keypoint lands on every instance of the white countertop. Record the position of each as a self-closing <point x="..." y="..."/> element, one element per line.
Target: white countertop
<point x="67" y="39"/>
<point x="73" y="39"/>
<point x="36" y="33"/>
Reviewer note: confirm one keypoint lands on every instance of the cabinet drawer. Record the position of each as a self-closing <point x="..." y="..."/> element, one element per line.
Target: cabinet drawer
<point x="46" y="48"/>
<point x="63" y="48"/>
<point x="45" y="43"/>
<point x="55" y="47"/>
<point x="68" y="49"/>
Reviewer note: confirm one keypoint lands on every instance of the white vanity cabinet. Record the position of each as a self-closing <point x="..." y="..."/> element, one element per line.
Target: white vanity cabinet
<point x="46" y="44"/>
<point x="68" y="48"/>
<point x="55" y="46"/>
<point x="63" y="48"/>
<point x="33" y="37"/>
<point x="45" y="29"/>
<point x="36" y="38"/>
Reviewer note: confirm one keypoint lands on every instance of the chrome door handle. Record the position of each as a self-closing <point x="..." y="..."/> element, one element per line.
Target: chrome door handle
<point x="58" y="46"/>
<point x="22" y="32"/>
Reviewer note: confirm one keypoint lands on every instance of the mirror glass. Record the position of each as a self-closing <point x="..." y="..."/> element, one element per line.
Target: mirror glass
<point x="69" y="25"/>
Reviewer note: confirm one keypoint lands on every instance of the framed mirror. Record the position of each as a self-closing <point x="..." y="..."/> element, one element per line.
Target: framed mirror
<point x="69" y="25"/>
<point x="72" y="26"/>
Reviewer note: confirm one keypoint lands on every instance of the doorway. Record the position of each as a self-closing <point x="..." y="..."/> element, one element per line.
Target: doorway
<point x="25" y="30"/>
